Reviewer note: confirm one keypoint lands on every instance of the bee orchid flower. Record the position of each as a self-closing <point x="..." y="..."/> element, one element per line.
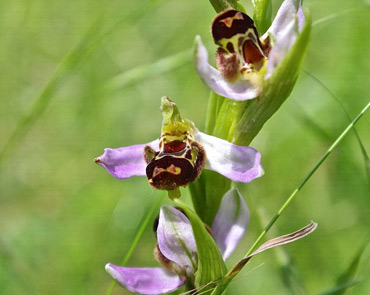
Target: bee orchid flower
<point x="179" y="155"/>
<point x="245" y="61"/>
<point x="176" y="249"/>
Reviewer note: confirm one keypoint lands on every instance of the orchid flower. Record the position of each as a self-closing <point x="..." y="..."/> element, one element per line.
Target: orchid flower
<point x="179" y="155"/>
<point x="177" y="250"/>
<point x="246" y="62"/>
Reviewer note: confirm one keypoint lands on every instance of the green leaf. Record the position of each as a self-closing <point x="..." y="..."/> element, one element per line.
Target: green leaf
<point x="211" y="266"/>
<point x="207" y="193"/>
<point x="262" y="15"/>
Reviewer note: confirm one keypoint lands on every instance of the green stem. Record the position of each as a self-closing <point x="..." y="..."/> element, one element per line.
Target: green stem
<point x="363" y="150"/>
<point x="214" y="105"/>
<point x="138" y="236"/>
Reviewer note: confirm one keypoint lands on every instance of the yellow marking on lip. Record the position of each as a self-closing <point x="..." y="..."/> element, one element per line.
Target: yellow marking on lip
<point x="171" y="169"/>
<point x="229" y="20"/>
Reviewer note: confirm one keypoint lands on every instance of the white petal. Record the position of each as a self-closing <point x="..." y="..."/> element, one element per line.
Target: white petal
<point x="148" y="280"/>
<point x="286" y="13"/>
<point x="176" y="239"/>
<point x="238" y="163"/>
<point x="230" y="222"/>
<point x="238" y="90"/>
<point x="283" y="44"/>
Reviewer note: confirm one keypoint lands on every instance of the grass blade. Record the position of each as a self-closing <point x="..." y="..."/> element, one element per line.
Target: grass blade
<point x="346" y="279"/>
<point x="42" y="100"/>
<point x="363" y="150"/>
<point x="313" y="170"/>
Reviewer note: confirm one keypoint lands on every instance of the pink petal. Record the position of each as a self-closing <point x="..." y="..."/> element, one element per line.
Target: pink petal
<point x="125" y="162"/>
<point x="145" y="280"/>
<point x="287" y="38"/>
<point x="238" y="163"/>
<point x="176" y="239"/>
<point x="230" y="222"/>
<point x="285" y="28"/>
<point x="285" y="15"/>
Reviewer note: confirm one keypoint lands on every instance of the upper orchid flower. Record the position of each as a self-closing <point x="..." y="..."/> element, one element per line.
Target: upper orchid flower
<point x="177" y="249"/>
<point x="245" y="61"/>
<point x="179" y="155"/>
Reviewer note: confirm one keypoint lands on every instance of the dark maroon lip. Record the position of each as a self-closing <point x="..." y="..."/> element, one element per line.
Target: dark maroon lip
<point x="239" y="22"/>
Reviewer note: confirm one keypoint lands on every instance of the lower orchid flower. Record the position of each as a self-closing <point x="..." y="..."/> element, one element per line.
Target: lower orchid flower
<point x="245" y="61"/>
<point x="179" y="155"/>
<point x="176" y="249"/>
<point x="179" y="248"/>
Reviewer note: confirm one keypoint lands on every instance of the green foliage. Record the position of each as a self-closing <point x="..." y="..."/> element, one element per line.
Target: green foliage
<point x="62" y="217"/>
<point x="347" y="278"/>
<point x="221" y="5"/>
<point x="211" y="266"/>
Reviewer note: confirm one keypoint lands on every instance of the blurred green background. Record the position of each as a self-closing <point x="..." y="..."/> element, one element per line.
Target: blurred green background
<point x="80" y="76"/>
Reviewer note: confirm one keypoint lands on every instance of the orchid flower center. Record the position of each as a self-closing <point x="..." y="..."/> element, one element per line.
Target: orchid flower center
<point x="180" y="158"/>
<point x="241" y="53"/>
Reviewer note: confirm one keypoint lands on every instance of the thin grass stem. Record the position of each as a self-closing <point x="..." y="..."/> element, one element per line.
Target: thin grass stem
<point x="295" y="192"/>
<point x="362" y="147"/>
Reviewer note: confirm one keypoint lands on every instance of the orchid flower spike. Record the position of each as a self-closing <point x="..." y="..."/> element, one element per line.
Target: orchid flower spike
<point x="176" y="249"/>
<point x="179" y="155"/>
<point x="245" y="61"/>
